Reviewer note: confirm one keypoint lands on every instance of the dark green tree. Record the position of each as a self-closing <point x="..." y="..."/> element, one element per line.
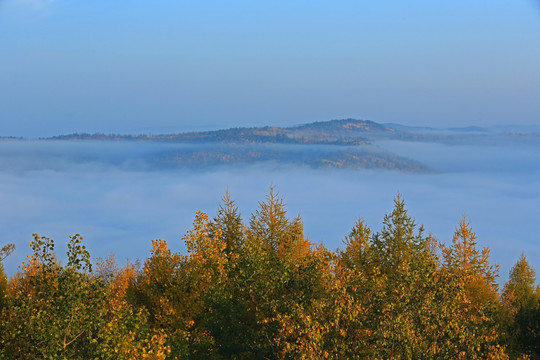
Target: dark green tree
<point x="521" y="298"/>
<point x="402" y="303"/>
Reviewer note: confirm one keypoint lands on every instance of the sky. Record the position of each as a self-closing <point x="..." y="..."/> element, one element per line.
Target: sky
<point x="168" y="66"/>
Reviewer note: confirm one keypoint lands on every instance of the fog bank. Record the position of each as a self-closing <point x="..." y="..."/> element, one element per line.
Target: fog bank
<point x="119" y="209"/>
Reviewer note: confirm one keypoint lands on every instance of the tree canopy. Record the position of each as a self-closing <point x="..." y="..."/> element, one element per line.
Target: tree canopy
<point x="262" y="290"/>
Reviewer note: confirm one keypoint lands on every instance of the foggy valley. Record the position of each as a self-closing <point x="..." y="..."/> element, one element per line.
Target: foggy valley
<point x="142" y="146"/>
<point x="121" y="194"/>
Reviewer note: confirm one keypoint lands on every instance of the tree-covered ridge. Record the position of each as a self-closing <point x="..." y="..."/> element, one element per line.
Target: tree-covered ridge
<point x="333" y="132"/>
<point x="347" y="143"/>
<point x="328" y="144"/>
<point x="259" y="289"/>
<point x="355" y="158"/>
<point x="347" y="132"/>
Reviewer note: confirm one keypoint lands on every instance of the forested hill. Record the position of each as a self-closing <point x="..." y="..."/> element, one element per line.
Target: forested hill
<point x="346" y="143"/>
<point x="329" y="144"/>
<point x="334" y="132"/>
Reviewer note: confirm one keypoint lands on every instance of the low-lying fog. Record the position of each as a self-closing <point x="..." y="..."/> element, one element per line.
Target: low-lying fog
<point x="105" y="192"/>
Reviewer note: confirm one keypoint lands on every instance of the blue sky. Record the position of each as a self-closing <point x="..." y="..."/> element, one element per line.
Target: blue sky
<point x="140" y="66"/>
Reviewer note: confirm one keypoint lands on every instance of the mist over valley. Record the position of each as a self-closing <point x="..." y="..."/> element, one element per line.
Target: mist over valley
<point x="122" y="191"/>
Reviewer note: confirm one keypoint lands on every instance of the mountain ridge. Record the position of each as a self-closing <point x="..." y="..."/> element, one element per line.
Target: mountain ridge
<point x="333" y="132"/>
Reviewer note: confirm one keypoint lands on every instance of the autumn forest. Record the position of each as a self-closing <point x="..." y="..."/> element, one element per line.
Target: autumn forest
<point x="257" y="288"/>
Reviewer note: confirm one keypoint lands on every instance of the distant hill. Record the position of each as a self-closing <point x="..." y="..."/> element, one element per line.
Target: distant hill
<point x="328" y="144"/>
<point x="345" y="157"/>
<point x="333" y="132"/>
<point x="343" y="143"/>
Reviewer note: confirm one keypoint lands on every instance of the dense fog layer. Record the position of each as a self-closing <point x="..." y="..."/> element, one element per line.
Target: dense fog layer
<point x="115" y="196"/>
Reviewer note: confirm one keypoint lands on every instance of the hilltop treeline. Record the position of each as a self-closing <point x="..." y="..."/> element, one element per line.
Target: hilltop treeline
<point x="333" y="132"/>
<point x="260" y="290"/>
